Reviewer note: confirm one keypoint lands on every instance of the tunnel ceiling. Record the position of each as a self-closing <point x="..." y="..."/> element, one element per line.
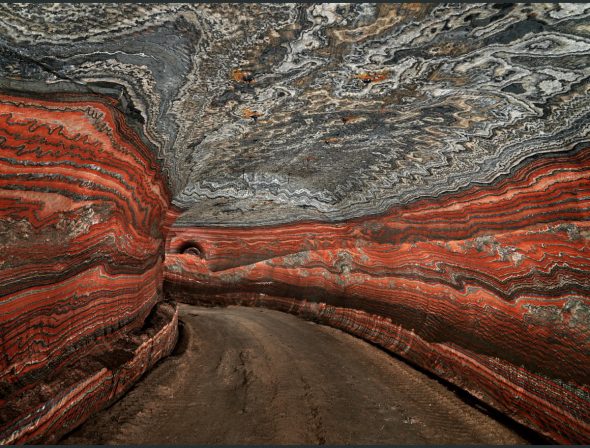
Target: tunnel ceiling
<point x="274" y="113"/>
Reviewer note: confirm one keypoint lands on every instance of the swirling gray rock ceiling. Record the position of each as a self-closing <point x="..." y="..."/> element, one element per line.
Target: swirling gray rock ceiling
<point x="271" y="113"/>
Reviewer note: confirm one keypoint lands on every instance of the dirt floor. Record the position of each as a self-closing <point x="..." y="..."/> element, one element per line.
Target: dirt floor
<point x="255" y="376"/>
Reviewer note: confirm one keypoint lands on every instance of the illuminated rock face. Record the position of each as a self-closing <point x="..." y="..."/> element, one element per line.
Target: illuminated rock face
<point x="279" y="113"/>
<point x="414" y="174"/>
<point x="82" y="207"/>
<point x="488" y="288"/>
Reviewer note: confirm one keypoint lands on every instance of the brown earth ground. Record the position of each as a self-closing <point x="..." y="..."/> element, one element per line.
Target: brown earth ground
<point x="256" y="376"/>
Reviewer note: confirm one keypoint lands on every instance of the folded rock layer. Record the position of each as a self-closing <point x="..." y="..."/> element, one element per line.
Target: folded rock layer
<point x="487" y="288"/>
<point x="82" y="210"/>
<point x="416" y="174"/>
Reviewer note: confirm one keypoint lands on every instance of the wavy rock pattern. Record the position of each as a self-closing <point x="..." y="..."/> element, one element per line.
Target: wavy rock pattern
<point x="487" y="288"/>
<point x="82" y="210"/>
<point x="289" y="112"/>
<point x="94" y="384"/>
<point x="420" y="173"/>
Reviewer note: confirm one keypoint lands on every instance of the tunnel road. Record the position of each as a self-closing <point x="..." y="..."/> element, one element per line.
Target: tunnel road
<point x="256" y="376"/>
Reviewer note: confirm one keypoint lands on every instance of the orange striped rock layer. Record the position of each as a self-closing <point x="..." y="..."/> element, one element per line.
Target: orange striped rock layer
<point x="113" y="369"/>
<point x="82" y="214"/>
<point x="488" y="288"/>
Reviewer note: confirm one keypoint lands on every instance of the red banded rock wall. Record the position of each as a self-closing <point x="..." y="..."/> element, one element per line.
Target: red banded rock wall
<point x="488" y="288"/>
<point x="82" y="210"/>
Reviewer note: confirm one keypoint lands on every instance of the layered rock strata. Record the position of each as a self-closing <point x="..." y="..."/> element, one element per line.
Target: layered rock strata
<point x="413" y="173"/>
<point x="273" y="113"/>
<point x="487" y="288"/>
<point x="82" y="211"/>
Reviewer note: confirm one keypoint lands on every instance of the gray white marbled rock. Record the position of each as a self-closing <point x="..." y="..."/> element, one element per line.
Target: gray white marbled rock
<point x="279" y="113"/>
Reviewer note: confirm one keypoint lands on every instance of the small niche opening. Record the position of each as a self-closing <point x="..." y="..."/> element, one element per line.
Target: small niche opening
<point x="192" y="248"/>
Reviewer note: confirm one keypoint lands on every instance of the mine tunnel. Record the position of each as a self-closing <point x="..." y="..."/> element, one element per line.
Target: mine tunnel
<point x="294" y="223"/>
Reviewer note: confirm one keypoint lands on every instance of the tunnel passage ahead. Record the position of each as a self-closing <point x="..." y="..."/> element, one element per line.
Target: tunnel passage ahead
<point x="246" y="375"/>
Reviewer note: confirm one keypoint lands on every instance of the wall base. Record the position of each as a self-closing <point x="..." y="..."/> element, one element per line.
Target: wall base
<point x="59" y="404"/>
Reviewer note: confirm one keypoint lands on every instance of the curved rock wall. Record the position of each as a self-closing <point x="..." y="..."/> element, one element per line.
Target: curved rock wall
<point x="464" y="126"/>
<point x="487" y="288"/>
<point x="82" y="209"/>
<point x="272" y="113"/>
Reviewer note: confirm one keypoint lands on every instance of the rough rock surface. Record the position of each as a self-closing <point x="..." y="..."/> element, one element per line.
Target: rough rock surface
<point x="487" y="288"/>
<point x="83" y="210"/>
<point x="424" y="166"/>
<point x="267" y="113"/>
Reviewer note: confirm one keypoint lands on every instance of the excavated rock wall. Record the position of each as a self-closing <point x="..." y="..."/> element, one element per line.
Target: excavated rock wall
<point x="416" y="174"/>
<point x="487" y="288"/>
<point x="82" y="214"/>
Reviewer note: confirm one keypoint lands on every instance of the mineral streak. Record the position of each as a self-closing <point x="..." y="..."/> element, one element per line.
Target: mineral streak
<point x="82" y="210"/>
<point x="487" y="288"/>
<point x="414" y="174"/>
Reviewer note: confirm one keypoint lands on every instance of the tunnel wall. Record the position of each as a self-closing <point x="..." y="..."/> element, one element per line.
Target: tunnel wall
<point x="82" y="214"/>
<point x="488" y="288"/>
